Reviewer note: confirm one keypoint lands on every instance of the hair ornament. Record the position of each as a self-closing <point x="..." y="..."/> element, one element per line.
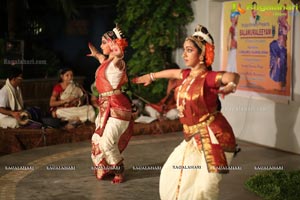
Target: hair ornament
<point x="118" y="32"/>
<point x="209" y="54"/>
<point x="202" y="32"/>
<point x="204" y="36"/>
<point x="122" y="43"/>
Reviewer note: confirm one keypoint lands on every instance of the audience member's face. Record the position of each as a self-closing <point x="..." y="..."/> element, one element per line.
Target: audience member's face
<point x="17" y="81"/>
<point x="67" y="77"/>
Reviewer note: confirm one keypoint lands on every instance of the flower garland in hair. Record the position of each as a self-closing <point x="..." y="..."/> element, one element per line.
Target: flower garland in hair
<point x="122" y="43"/>
<point x="209" y="54"/>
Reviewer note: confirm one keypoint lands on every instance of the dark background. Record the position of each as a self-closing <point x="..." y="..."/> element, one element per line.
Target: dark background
<point x="55" y="31"/>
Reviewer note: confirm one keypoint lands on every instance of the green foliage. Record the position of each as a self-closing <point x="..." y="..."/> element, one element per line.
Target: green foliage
<point x="275" y="185"/>
<point x="154" y="28"/>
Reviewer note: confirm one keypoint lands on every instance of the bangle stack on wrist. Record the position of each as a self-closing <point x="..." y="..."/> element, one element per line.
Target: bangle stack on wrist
<point x="232" y="85"/>
<point x="152" y="77"/>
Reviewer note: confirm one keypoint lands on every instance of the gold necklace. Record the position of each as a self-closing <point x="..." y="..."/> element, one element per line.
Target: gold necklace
<point x="181" y="106"/>
<point x="196" y="73"/>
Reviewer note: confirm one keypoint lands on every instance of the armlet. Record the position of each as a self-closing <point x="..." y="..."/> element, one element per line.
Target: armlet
<point x="218" y="79"/>
<point x="181" y="74"/>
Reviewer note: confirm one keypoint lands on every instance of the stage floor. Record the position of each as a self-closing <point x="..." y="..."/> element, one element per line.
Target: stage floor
<point x="19" y="139"/>
<point x="33" y="174"/>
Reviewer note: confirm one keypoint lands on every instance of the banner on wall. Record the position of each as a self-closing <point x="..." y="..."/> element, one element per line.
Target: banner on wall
<point x="257" y="44"/>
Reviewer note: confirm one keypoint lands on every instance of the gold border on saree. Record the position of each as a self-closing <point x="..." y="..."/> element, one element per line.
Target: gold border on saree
<point x="109" y="93"/>
<point x="191" y="130"/>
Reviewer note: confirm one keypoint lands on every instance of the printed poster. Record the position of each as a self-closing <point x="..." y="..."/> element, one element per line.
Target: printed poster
<point x="257" y="44"/>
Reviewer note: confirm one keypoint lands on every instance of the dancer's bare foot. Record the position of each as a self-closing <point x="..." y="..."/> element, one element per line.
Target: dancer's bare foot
<point x="119" y="178"/>
<point x="100" y="173"/>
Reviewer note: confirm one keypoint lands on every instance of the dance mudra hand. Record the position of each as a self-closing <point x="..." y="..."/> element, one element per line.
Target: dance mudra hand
<point x="145" y="79"/>
<point x="227" y="89"/>
<point x="93" y="50"/>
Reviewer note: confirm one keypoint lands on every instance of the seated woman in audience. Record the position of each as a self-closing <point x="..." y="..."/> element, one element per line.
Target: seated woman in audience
<point x="67" y="99"/>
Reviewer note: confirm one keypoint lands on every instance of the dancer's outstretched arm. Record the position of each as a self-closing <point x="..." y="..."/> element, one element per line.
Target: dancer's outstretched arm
<point x="147" y="79"/>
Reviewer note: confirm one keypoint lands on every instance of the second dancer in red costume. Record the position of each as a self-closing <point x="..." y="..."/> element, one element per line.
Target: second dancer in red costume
<point x="114" y="122"/>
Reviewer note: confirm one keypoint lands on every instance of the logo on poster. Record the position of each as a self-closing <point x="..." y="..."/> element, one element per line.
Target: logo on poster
<point x="267" y="10"/>
<point x="237" y="8"/>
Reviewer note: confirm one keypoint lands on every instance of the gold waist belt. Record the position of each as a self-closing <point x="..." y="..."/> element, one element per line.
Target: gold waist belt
<point x="110" y="93"/>
<point x="191" y="130"/>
